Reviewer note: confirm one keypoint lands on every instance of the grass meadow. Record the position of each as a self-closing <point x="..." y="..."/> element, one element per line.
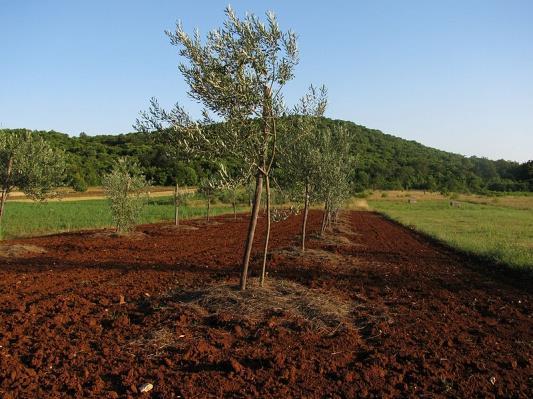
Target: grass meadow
<point x="499" y="230"/>
<point x="24" y="219"/>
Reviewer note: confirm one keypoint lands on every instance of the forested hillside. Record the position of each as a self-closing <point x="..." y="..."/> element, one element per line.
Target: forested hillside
<point x="383" y="162"/>
<point x="390" y="162"/>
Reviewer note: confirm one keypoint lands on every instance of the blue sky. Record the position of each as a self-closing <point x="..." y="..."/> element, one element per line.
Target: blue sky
<point x="455" y="75"/>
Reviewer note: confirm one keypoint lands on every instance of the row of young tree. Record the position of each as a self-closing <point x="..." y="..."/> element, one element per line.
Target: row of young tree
<point x="238" y="74"/>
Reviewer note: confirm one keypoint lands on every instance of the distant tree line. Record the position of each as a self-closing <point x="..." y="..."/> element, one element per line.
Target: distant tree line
<point x="89" y="158"/>
<point x="389" y="162"/>
<point x="382" y="162"/>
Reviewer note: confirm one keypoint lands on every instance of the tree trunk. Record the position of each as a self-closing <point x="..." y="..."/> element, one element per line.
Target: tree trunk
<point x="324" y="220"/>
<point x="208" y="207"/>
<point x="234" y="209"/>
<point x="267" y="235"/>
<point x="306" y="212"/>
<point x="2" y="204"/>
<point x="5" y="192"/>
<point x="251" y="229"/>
<point x="267" y="113"/>
<point x="176" y="206"/>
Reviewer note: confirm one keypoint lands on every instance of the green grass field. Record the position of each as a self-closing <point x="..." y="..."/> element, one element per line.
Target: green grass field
<point x="501" y="233"/>
<point x="23" y="219"/>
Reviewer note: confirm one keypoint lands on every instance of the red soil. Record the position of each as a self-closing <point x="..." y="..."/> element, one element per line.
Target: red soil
<point x="425" y="322"/>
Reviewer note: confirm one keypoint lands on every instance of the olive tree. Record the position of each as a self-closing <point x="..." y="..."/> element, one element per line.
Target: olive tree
<point x="30" y="164"/>
<point x="125" y="187"/>
<point x="232" y="182"/>
<point x="174" y="150"/>
<point x="237" y="73"/>
<point x="208" y="187"/>
<point x="333" y="175"/>
<point x="301" y="151"/>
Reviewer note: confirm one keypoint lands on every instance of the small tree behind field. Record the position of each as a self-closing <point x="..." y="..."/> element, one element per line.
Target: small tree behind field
<point x="301" y="151"/>
<point x="208" y="187"/>
<point x="179" y="199"/>
<point x="336" y="165"/>
<point x="29" y="164"/>
<point x="233" y="183"/>
<point x="174" y="149"/>
<point x="125" y="187"/>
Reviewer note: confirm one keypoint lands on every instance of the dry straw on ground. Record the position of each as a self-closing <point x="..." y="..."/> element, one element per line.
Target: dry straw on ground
<point x="313" y="255"/>
<point x="20" y="250"/>
<point x="322" y="311"/>
<point x="156" y="343"/>
<point x="340" y="233"/>
<point x="183" y="227"/>
<point x="131" y="235"/>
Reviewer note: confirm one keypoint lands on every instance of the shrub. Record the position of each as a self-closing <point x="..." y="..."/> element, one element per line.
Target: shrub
<point x="125" y="187"/>
<point x="78" y="183"/>
<point x="363" y="194"/>
<point x="30" y="164"/>
<point x="208" y="189"/>
<point x="223" y="196"/>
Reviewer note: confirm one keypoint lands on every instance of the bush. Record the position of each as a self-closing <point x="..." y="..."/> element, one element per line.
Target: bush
<point x="224" y="196"/>
<point x="187" y="176"/>
<point x="125" y="188"/>
<point x="78" y="183"/>
<point x="185" y="199"/>
<point x="363" y="194"/>
<point x="243" y="197"/>
<point x="454" y="196"/>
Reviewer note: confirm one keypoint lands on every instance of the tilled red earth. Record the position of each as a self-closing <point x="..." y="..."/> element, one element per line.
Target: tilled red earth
<point x="424" y="321"/>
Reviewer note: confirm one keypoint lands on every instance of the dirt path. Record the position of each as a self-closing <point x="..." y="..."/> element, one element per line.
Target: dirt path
<point x="420" y="323"/>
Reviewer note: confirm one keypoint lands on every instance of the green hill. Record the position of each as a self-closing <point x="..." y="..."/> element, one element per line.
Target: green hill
<point x="383" y="162"/>
<point x="390" y="162"/>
